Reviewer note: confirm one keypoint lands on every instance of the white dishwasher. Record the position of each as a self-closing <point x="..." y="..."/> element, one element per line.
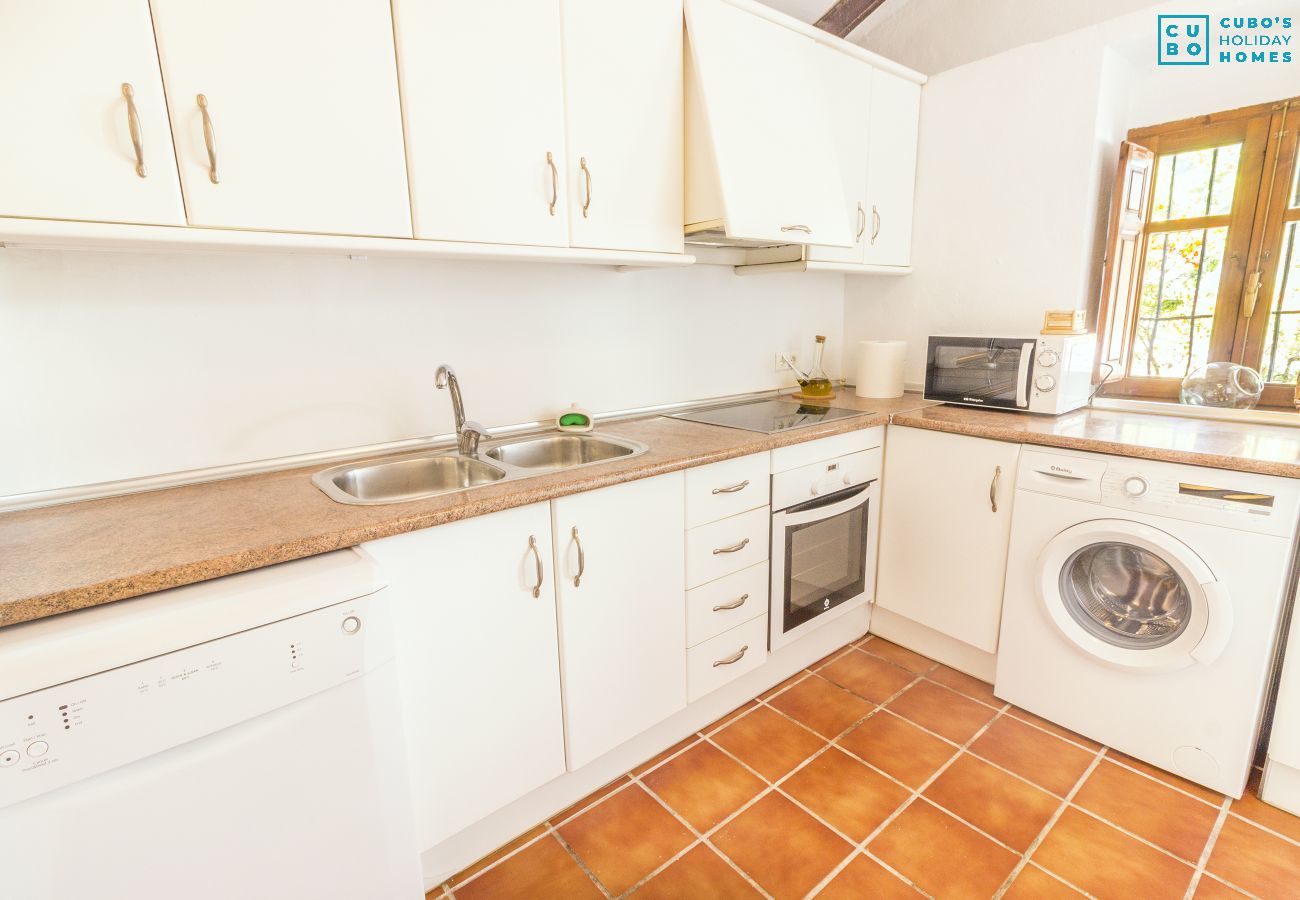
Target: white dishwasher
<point x="235" y="738"/>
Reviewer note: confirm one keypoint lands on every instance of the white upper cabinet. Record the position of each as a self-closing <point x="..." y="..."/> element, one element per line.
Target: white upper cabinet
<point x="80" y="78"/>
<point x="286" y="114"/>
<point x="761" y="165"/>
<point x="483" y="97"/>
<point x="891" y="169"/>
<point x="623" y="96"/>
<point x="620" y="569"/>
<point x="847" y="83"/>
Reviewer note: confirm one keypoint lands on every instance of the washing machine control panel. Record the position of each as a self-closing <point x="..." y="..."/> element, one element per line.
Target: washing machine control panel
<point x="1175" y="494"/>
<point x="53" y="737"/>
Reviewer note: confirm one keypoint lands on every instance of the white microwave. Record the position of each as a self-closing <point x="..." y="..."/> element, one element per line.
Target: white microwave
<point x="1049" y="374"/>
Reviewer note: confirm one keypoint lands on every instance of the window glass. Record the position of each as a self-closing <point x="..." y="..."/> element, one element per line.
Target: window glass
<point x="1180" y="287"/>
<point x="1196" y="183"/>
<point x="1281" y="361"/>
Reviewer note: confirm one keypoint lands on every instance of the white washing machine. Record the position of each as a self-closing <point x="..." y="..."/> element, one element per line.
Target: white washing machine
<point x="1142" y="604"/>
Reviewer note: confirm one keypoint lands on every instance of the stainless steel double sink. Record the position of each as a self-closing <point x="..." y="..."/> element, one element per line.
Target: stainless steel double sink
<point x="415" y="476"/>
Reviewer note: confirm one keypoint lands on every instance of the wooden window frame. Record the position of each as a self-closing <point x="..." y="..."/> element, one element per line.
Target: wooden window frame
<point x="1268" y="133"/>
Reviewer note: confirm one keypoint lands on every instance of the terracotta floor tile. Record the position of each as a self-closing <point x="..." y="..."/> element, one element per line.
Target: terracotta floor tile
<point x="942" y="855"/>
<point x="1108" y="863"/>
<point x="1032" y="753"/>
<point x="596" y="795"/>
<point x="1256" y="861"/>
<point x="1151" y="810"/>
<point x="768" y="742"/>
<point x="503" y="851"/>
<point x="825" y="708"/>
<point x="728" y="718"/>
<point x="828" y="658"/>
<point x="1034" y="884"/>
<point x="704" y="785"/>
<point x="1191" y="787"/>
<point x="1210" y="889"/>
<point x="964" y="684"/>
<point x="793" y="679"/>
<point x="864" y="877"/>
<point x="544" y="871"/>
<point x="658" y="758"/>
<point x="942" y="711"/>
<point x="998" y="804"/>
<point x="1058" y="730"/>
<point x="898" y="748"/>
<point x="845" y="794"/>
<point x="1255" y="809"/>
<point x="868" y="676"/>
<point x="699" y="875"/>
<point x="899" y="656"/>
<point x="625" y="838"/>
<point x="781" y="847"/>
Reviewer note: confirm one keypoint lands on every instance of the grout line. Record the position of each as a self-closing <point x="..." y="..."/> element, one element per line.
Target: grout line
<point x="1147" y="775"/>
<point x="581" y="865"/>
<point x="1207" y="849"/>
<point x="1262" y="827"/>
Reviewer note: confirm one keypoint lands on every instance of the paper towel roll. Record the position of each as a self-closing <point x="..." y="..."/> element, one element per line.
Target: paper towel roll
<point x="880" y="369"/>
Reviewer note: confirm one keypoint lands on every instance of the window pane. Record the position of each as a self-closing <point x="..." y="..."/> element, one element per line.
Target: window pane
<point x="1180" y="285"/>
<point x="1282" y="343"/>
<point x="1196" y="183"/>
<point x="1295" y="188"/>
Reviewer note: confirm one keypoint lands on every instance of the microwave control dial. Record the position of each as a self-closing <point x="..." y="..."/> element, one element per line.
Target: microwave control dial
<point x="1136" y="486"/>
<point x="1045" y="383"/>
<point x="1048" y="358"/>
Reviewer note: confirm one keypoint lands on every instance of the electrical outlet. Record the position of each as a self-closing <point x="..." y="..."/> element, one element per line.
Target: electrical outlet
<point x="781" y="365"/>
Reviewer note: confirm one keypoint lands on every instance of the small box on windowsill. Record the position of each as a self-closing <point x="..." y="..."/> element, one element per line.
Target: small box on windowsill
<point x="1065" y="321"/>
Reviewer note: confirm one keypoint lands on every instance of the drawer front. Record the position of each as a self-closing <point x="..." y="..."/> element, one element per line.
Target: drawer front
<point x="719" y="605"/>
<point x="725" y="658"/>
<point x="721" y="548"/>
<point x="724" y="489"/>
<point x="827" y="477"/>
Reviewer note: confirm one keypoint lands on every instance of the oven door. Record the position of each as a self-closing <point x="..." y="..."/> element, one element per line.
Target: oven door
<point x="992" y="372"/>
<point x="823" y="560"/>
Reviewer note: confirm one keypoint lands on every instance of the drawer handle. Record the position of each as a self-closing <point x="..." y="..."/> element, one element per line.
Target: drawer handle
<point x="734" y="658"/>
<point x="532" y="545"/>
<point x="582" y="559"/>
<point x="133" y="125"/>
<point x="733" y="548"/>
<point x="735" y="604"/>
<point x="733" y="489"/>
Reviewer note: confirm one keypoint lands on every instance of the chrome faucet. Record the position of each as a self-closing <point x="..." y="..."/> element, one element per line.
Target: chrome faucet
<point x="468" y="433"/>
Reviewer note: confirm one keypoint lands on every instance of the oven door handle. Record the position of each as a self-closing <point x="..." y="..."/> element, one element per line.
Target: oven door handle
<point x="829" y="506"/>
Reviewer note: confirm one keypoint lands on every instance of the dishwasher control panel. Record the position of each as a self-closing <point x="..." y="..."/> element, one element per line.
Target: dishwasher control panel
<point x="59" y="735"/>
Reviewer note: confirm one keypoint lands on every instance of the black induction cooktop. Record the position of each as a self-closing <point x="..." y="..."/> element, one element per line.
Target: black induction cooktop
<point x="769" y="416"/>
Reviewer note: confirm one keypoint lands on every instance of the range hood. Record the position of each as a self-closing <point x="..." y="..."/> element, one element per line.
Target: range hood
<point x="761" y="165"/>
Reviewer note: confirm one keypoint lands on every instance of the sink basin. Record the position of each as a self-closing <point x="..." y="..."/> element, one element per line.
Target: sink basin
<point x="561" y="451"/>
<point x="405" y="479"/>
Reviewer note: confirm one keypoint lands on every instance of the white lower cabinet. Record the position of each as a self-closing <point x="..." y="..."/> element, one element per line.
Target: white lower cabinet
<point x="723" y="604"/>
<point x="478" y="662"/>
<point x="945" y="531"/>
<point x="727" y="545"/>
<point x="620" y="574"/>
<point x="726" y="657"/>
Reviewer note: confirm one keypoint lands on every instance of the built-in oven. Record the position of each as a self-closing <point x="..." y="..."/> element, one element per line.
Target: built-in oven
<point x="824" y="537"/>
<point x="1049" y="374"/>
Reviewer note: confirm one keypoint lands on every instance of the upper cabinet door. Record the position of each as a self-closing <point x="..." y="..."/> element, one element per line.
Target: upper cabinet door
<point x="623" y="92"/>
<point x="764" y="117"/>
<point x="847" y="82"/>
<point x="483" y="97"/>
<point x="80" y="77"/>
<point x="286" y="114"/>
<point x="891" y="169"/>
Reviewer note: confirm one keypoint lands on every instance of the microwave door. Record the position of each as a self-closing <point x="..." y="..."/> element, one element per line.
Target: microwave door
<point x="979" y="371"/>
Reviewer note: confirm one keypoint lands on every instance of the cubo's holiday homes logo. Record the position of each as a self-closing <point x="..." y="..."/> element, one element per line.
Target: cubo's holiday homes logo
<point x="1193" y="40"/>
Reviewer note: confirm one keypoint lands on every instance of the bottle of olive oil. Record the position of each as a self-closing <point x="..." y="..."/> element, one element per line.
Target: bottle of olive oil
<point x="814" y="382"/>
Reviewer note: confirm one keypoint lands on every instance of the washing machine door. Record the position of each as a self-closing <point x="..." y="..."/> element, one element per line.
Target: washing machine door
<point x="1132" y="595"/>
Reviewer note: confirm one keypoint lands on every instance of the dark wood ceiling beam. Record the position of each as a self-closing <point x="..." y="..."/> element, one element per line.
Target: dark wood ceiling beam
<point x="846" y="15"/>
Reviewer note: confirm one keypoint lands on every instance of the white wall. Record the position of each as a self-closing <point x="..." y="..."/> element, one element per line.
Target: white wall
<point x="1016" y="162"/>
<point x="120" y="365"/>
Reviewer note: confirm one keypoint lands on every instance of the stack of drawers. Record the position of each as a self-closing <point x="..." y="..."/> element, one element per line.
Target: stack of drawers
<point x="728" y="516"/>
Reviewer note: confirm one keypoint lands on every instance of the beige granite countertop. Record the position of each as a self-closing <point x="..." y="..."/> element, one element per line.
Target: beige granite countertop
<point x="63" y="558"/>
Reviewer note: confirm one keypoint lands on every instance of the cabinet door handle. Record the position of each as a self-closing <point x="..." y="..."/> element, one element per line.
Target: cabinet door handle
<point x="586" y="203"/>
<point x="735" y="604"/>
<point x="555" y="181"/>
<point x="804" y="228"/>
<point x="734" y="658"/>
<point x="582" y="559"/>
<point x="862" y="222"/>
<point x="133" y="123"/>
<point x="209" y="138"/>
<point x="733" y="548"/>
<point x="993" y="488"/>
<point x="537" y="556"/>
<point x="733" y="489"/>
<point x="875" y="223"/>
